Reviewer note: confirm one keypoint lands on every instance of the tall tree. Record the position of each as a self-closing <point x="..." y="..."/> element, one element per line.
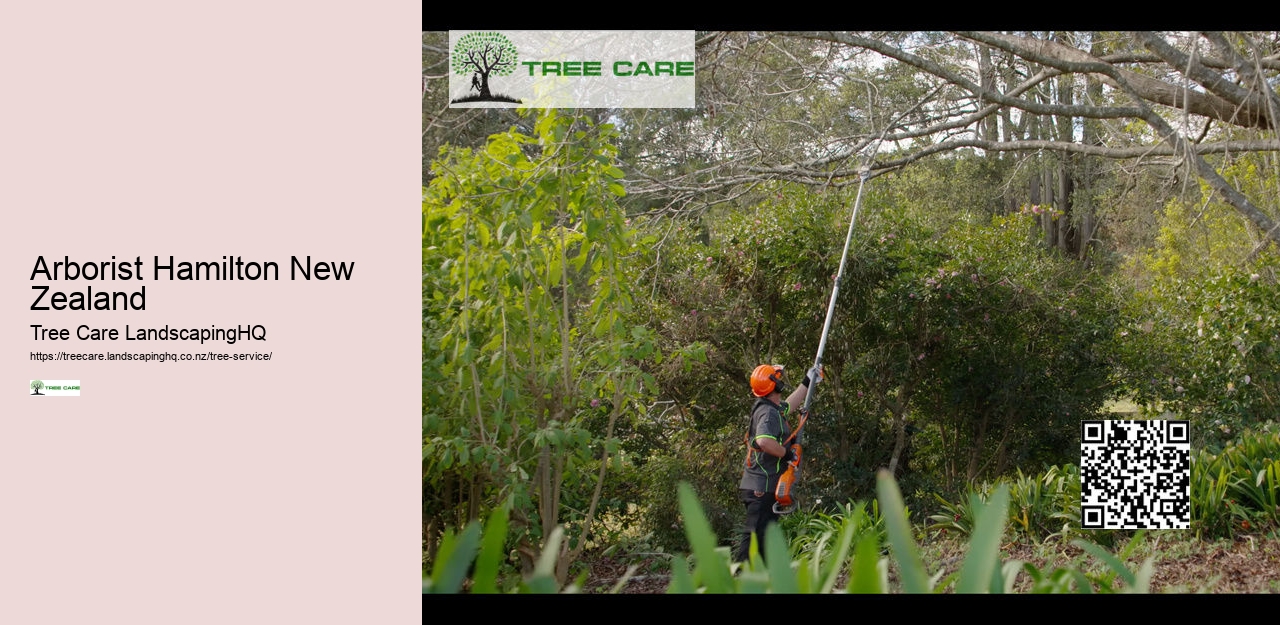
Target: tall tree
<point x="813" y="107"/>
<point x="524" y="335"/>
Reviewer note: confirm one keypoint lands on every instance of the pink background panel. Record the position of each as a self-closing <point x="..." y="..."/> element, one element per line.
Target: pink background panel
<point x="214" y="492"/>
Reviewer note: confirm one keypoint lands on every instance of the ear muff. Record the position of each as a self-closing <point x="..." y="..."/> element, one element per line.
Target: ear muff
<point x="779" y="384"/>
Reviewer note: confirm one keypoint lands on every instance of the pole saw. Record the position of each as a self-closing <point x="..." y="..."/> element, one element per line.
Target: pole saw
<point x="785" y="500"/>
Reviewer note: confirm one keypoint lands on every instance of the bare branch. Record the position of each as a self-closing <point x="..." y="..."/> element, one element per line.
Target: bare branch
<point x="954" y="78"/>
<point x="1146" y="88"/>
<point x="1248" y="103"/>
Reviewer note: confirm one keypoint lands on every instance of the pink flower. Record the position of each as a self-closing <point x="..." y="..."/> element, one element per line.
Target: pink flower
<point x="920" y="357"/>
<point x="796" y="287"/>
<point x="595" y="403"/>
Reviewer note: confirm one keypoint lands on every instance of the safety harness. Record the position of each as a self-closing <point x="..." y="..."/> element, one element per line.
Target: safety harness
<point x="785" y="502"/>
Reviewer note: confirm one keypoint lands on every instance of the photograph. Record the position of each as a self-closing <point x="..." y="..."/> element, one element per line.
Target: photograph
<point x="850" y="312"/>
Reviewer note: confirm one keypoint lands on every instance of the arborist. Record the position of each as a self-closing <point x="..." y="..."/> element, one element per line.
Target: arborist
<point x="772" y="466"/>
<point x="769" y="453"/>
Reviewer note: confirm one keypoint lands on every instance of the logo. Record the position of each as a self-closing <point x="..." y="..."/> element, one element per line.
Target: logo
<point x="55" y="388"/>
<point x="483" y="55"/>
<point x="571" y="69"/>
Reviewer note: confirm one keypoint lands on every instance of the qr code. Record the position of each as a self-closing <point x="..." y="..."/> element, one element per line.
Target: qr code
<point x="1135" y="474"/>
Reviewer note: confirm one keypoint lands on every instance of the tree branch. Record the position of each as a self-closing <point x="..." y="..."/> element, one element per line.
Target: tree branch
<point x="1144" y="88"/>
<point x="1247" y="102"/>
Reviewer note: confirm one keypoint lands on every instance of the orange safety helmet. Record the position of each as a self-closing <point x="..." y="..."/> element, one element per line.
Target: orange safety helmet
<point x="765" y="379"/>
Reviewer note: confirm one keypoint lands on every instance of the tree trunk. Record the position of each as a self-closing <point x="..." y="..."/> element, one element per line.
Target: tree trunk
<point x="1065" y="229"/>
<point x="1046" y="219"/>
<point x="473" y="507"/>
<point x="975" y="451"/>
<point x="449" y="498"/>
<point x="429" y="543"/>
<point x="1092" y="135"/>
<point x="988" y="128"/>
<point x="899" y="442"/>
<point x="899" y="409"/>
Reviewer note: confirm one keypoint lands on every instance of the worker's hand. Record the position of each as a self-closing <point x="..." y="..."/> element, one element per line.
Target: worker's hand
<point x="790" y="455"/>
<point x="813" y="376"/>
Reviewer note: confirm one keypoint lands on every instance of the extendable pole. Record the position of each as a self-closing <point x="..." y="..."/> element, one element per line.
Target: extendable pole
<point x="792" y="474"/>
<point x="835" y="291"/>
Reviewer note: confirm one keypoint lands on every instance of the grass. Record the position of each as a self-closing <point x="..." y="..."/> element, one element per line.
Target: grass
<point x="1121" y="406"/>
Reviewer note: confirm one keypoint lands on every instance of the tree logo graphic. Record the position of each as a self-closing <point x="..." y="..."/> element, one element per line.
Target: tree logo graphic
<point x="481" y="55"/>
<point x="36" y="385"/>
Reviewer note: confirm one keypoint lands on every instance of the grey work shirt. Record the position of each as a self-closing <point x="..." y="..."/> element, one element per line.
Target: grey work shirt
<point x="762" y="470"/>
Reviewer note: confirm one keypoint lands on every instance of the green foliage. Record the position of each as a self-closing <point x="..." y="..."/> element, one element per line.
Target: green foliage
<point x="1139" y="581"/>
<point x="981" y="572"/>
<point x="1041" y="502"/>
<point x="814" y="529"/>
<point x="1205" y="349"/>
<point x="1233" y="492"/>
<point x="816" y="570"/>
<point x="1237" y="491"/>
<point x="1202" y="329"/>
<point x="960" y="181"/>
<point x="1043" y="506"/>
<point x="713" y="475"/>
<point x="991" y="348"/>
<point x="467" y="550"/>
<point x="528" y="357"/>
<point x="1007" y="352"/>
<point x="454" y="556"/>
<point x="1199" y="234"/>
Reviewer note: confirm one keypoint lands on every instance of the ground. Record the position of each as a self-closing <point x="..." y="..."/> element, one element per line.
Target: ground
<point x="1250" y="564"/>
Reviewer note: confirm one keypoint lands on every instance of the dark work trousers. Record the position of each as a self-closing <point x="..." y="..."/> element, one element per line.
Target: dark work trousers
<point x="759" y="515"/>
